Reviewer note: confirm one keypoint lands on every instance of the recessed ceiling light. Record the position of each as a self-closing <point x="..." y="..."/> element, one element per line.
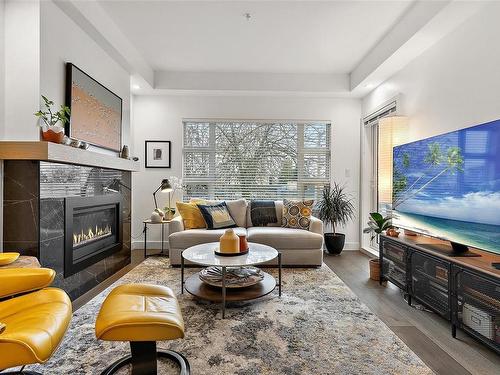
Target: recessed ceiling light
<point x="136" y="87"/>
<point x="369" y="85"/>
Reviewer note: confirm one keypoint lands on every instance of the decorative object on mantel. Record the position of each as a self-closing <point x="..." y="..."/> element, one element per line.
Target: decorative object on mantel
<point x="157" y="154"/>
<point x="96" y="112"/>
<point x="125" y="154"/>
<point x="335" y="207"/>
<point x="53" y="122"/>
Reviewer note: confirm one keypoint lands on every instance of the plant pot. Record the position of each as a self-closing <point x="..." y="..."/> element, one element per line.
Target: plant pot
<point x="374" y="269"/>
<point x="334" y="242"/>
<point x="169" y="214"/>
<point x="50" y="135"/>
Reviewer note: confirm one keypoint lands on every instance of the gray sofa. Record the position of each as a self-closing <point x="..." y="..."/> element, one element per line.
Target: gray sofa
<point x="298" y="247"/>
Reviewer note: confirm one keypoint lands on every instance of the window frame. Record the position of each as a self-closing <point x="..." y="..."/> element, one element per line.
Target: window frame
<point x="302" y="152"/>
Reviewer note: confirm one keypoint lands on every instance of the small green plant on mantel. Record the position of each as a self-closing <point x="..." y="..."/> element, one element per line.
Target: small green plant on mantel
<point x="52" y="122"/>
<point x="377" y="224"/>
<point x="50" y="118"/>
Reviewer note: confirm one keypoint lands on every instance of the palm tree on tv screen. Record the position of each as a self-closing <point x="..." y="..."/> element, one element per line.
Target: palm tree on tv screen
<point x="437" y="164"/>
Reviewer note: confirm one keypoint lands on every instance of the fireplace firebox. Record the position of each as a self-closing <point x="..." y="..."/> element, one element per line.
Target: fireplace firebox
<point x="92" y="230"/>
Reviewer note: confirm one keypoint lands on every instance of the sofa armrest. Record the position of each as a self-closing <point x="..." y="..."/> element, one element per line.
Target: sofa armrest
<point x="316" y="225"/>
<point x="176" y="225"/>
<point x="22" y="280"/>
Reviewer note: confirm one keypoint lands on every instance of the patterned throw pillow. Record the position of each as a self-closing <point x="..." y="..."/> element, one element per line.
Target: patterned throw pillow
<point x="217" y="216"/>
<point x="297" y="214"/>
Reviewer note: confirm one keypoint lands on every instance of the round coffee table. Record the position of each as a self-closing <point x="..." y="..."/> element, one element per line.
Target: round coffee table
<point x="204" y="255"/>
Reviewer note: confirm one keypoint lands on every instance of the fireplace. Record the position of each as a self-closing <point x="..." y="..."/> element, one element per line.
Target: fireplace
<point x="92" y="230"/>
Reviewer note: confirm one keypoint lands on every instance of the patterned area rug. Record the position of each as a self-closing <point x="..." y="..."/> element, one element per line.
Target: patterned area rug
<point x="318" y="326"/>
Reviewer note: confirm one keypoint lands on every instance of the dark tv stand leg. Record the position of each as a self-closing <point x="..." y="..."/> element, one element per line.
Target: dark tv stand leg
<point x="453" y="331"/>
<point x="409" y="300"/>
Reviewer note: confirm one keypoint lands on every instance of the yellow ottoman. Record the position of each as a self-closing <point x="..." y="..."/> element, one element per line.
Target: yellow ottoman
<point x="141" y="314"/>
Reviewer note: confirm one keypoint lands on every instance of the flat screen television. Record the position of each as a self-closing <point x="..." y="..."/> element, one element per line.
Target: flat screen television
<point x="448" y="186"/>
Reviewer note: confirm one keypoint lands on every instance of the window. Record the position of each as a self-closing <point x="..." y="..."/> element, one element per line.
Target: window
<point x="255" y="159"/>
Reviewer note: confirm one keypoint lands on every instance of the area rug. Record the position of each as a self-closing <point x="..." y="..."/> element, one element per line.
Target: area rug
<point x="318" y="326"/>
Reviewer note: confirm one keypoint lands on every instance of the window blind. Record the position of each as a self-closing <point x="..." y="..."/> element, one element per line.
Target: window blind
<point x="255" y="159"/>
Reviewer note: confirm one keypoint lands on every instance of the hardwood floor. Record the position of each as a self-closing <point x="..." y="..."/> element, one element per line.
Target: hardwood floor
<point x="427" y="334"/>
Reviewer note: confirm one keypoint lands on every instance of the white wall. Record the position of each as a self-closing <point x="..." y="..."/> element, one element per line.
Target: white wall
<point x="454" y="84"/>
<point x="160" y="118"/>
<point x="63" y="41"/>
<point x="22" y="69"/>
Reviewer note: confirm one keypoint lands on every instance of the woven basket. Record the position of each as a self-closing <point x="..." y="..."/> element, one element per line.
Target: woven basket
<point x="374" y="269"/>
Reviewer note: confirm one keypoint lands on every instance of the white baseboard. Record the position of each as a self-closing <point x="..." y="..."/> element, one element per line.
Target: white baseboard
<point x="369" y="251"/>
<point x="351" y="246"/>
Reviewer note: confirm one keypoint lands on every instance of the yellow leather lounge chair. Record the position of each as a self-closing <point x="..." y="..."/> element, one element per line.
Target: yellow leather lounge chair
<point x="33" y="318"/>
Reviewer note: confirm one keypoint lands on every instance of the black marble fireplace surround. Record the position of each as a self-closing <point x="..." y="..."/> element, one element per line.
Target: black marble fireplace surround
<point x="38" y="196"/>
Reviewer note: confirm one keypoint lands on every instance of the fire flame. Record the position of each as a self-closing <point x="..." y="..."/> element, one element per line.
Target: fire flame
<point x="91" y="235"/>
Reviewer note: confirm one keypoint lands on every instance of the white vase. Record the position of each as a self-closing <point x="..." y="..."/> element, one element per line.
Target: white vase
<point x="155" y="217"/>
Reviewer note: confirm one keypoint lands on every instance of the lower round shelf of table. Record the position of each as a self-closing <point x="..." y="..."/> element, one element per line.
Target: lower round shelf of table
<point x="204" y="291"/>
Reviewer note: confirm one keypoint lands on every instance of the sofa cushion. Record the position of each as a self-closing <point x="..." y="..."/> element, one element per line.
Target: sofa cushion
<point x="192" y="237"/>
<point x="285" y="238"/>
<point x="237" y="208"/>
<point x="297" y="214"/>
<point x="217" y="216"/>
<point x="279" y="212"/>
<point x="191" y="215"/>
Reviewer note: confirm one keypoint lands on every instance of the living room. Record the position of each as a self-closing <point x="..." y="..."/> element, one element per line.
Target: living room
<point x="211" y="145"/>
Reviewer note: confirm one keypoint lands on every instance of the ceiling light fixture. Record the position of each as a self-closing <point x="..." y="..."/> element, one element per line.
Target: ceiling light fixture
<point x="136" y="87"/>
<point x="247" y="16"/>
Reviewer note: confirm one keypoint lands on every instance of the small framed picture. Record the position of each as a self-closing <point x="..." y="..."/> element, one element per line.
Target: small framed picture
<point x="158" y="154"/>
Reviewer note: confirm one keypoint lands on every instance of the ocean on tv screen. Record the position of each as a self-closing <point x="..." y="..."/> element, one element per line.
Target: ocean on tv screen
<point x="449" y="186"/>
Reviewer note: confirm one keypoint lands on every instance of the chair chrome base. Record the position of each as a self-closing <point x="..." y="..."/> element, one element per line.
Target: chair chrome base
<point x="144" y="357"/>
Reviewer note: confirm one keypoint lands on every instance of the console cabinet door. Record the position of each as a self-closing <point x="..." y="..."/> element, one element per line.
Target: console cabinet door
<point x="394" y="267"/>
<point x="478" y="306"/>
<point x="430" y="282"/>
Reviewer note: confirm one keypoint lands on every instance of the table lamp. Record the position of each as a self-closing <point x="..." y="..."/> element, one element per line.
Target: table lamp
<point x="164" y="187"/>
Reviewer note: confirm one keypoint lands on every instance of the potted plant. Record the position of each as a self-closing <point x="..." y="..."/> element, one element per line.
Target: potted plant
<point x="52" y="123"/>
<point x="377" y="224"/>
<point x="335" y="208"/>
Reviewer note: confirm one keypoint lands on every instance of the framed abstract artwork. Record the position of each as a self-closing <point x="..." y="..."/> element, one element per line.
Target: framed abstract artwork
<point x="158" y="154"/>
<point x="96" y="112"/>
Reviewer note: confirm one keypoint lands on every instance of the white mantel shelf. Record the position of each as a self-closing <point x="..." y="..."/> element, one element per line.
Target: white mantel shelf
<point x="48" y="151"/>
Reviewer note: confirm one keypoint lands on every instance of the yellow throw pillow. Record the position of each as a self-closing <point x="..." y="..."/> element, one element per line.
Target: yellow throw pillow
<point x="191" y="215"/>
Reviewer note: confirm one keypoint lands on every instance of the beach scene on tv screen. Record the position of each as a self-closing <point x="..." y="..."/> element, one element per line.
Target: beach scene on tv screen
<point x="448" y="186"/>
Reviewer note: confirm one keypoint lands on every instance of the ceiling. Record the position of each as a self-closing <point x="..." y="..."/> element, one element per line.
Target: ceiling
<point x="280" y="36"/>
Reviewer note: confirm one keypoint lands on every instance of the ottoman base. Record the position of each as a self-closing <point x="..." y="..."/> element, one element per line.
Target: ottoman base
<point x="144" y="357"/>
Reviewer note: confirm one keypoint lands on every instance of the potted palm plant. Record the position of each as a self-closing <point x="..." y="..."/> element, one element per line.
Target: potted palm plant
<point x="335" y="208"/>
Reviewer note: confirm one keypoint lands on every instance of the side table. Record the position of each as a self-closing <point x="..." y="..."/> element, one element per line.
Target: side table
<point x="149" y="222"/>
